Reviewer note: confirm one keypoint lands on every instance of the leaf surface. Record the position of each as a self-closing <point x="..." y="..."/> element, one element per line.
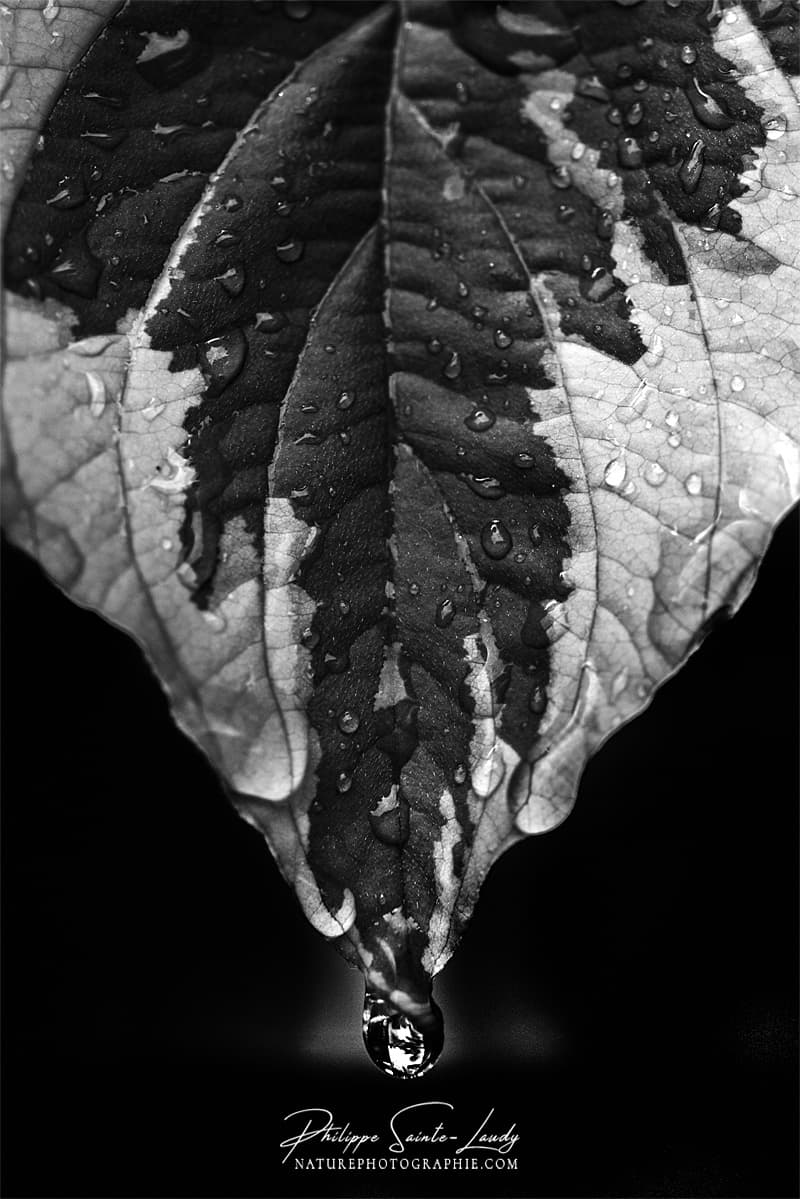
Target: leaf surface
<point x="415" y="386"/>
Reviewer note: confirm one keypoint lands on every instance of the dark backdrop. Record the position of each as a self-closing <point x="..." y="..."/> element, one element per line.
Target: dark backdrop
<point x="626" y="992"/>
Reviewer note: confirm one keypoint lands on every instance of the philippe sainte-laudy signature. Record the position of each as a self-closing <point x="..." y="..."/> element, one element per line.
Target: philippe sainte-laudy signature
<point x="408" y="1129"/>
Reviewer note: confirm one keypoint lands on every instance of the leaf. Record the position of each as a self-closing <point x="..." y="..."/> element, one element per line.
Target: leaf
<point x="415" y="387"/>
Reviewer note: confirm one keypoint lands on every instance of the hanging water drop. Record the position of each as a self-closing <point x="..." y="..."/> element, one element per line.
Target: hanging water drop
<point x="496" y="540"/>
<point x="397" y="1045"/>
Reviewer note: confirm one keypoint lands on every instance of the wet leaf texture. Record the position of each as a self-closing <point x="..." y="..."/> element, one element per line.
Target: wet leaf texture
<point x="414" y="385"/>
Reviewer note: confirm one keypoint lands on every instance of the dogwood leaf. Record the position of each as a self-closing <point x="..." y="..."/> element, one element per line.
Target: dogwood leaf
<point x="414" y="384"/>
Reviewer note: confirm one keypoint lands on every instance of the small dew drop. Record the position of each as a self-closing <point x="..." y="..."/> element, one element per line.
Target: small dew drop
<point x="654" y="474"/>
<point x="349" y="722"/>
<point x="537" y="700"/>
<point x="97" y="394"/>
<point x="560" y="178"/>
<point x="291" y="250"/>
<point x="496" y="540"/>
<point x="774" y="127"/>
<point x="460" y="774"/>
<point x="688" y="54"/>
<point x="445" y="613"/>
<point x="694" y="484"/>
<point x="737" y="383"/>
<point x="215" y="621"/>
<point x="674" y="440"/>
<point x="487" y="487"/>
<point x="502" y="339"/>
<point x="614" y="473"/>
<point x="452" y="368"/>
<point x="480" y="420"/>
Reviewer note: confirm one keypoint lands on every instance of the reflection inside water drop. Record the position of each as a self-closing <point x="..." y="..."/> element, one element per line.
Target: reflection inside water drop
<point x="398" y="1045"/>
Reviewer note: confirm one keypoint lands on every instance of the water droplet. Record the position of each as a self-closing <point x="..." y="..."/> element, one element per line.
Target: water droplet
<point x="487" y="487"/>
<point x="691" y="168"/>
<point x="564" y="213"/>
<point x="309" y="438"/>
<point x="105" y="140"/>
<point x="309" y="638"/>
<point x="591" y="87"/>
<point x="537" y="700"/>
<point x="97" y="394"/>
<point x="604" y="223"/>
<point x="460" y="774"/>
<point x="599" y="285"/>
<point x="560" y="177"/>
<point x="615" y="472"/>
<point x="452" y="368"/>
<point x="413" y="588"/>
<point x="673" y="441"/>
<point x="71" y="193"/>
<point x="77" y="271"/>
<point x="232" y="280"/>
<point x="397" y="1045"/>
<point x="232" y="203"/>
<point x="301" y="495"/>
<point x="654" y="473"/>
<point x="104" y="98"/>
<point x="523" y="460"/>
<point x="291" y="250"/>
<point x="737" y="383"/>
<point x="346" y="400"/>
<point x="634" y="114"/>
<point x="578" y="151"/>
<point x="706" y="108"/>
<point x="298" y="10"/>
<point x="222" y="358"/>
<point x="50" y="11"/>
<point x="688" y="54"/>
<point x="614" y="116"/>
<point x="434" y="345"/>
<point x="344" y="782"/>
<point x="629" y="152"/>
<point x="480" y="420"/>
<point x="496" y="540"/>
<point x="694" y="484"/>
<point x="445" y="612"/>
<point x="774" y="127"/>
<point x="349" y="722"/>
<point x="502" y="339"/>
<point x="463" y="289"/>
<point x="269" y="322"/>
<point x="462" y="93"/>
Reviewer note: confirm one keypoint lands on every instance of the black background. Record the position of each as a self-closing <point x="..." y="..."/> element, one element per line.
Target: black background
<point x="626" y="992"/>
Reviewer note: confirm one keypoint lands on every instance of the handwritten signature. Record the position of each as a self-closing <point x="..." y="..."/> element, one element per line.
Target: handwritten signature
<point x="407" y="1127"/>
